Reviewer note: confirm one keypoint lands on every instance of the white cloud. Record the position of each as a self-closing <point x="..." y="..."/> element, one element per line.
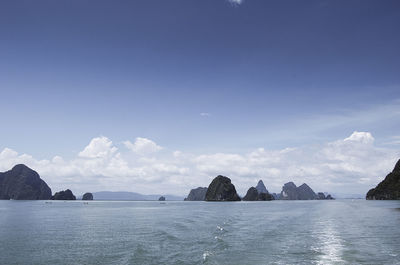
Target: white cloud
<point x="363" y="137"/>
<point x="143" y="146"/>
<point x="205" y="114"/>
<point x="98" y="147"/>
<point x="8" y="153"/>
<point x="350" y="165"/>
<point x="237" y="2"/>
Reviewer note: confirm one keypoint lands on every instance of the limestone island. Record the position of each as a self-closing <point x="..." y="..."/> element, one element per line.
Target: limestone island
<point x="389" y="188"/>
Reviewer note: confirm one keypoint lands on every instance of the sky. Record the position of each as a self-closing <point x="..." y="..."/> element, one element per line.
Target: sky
<point x="160" y="96"/>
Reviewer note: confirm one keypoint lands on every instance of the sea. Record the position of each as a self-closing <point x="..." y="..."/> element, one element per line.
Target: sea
<point x="177" y="232"/>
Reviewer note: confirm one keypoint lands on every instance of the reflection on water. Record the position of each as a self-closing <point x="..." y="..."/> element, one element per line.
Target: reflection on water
<point x="328" y="243"/>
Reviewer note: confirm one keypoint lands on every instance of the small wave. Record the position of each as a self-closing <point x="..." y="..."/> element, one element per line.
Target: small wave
<point x="206" y="254"/>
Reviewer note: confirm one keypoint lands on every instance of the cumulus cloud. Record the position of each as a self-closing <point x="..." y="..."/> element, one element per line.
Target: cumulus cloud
<point x="143" y="146"/>
<point x="350" y="165"/>
<point x="8" y="153"/>
<point x="98" y="147"/>
<point x="363" y="137"/>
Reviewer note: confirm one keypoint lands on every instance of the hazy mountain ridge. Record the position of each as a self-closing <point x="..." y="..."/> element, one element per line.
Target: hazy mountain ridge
<point x="132" y="196"/>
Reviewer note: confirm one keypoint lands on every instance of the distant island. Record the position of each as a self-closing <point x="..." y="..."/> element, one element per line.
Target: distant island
<point x="222" y="189"/>
<point x="291" y="192"/>
<point x="23" y="183"/>
<point x="198" y="194"/>
<point x="64" y="195"/>
<point x="87" y="196"/>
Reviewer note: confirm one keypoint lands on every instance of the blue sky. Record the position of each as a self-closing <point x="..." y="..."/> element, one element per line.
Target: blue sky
<point x="265" y="74"/>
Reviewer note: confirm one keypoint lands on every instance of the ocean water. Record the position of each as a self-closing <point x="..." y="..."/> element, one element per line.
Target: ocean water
<point x="277" y="232"/>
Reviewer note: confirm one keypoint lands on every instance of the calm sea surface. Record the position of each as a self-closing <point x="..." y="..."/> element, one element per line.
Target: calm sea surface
<point x="278" y="232"/>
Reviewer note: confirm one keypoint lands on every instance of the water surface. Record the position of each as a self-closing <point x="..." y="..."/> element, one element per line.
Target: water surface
<point x="278" y="232"/>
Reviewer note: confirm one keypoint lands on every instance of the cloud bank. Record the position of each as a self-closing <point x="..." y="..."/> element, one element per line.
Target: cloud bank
<point x="350" y="165"/>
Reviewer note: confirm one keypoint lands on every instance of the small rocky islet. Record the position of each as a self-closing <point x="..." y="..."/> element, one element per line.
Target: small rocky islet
<point x="88" y="196"/>
<point x="64" y="195"/>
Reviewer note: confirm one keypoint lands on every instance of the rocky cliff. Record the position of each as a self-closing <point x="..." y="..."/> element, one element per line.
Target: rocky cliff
<point x="253" y="195"/>
<point x="261" y="187"/>
<point x="198" y="194"/>
<point x="265" y="197"/>
<point x="221" y="189"/>
<point x="306" y="193"/>
<point x="291" y="192"/>
<point x="23" y="183"/>
<point x="389" y="188"/>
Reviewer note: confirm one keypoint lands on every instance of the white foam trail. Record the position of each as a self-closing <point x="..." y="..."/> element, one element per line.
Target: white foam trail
<point x="330" y="244"/>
